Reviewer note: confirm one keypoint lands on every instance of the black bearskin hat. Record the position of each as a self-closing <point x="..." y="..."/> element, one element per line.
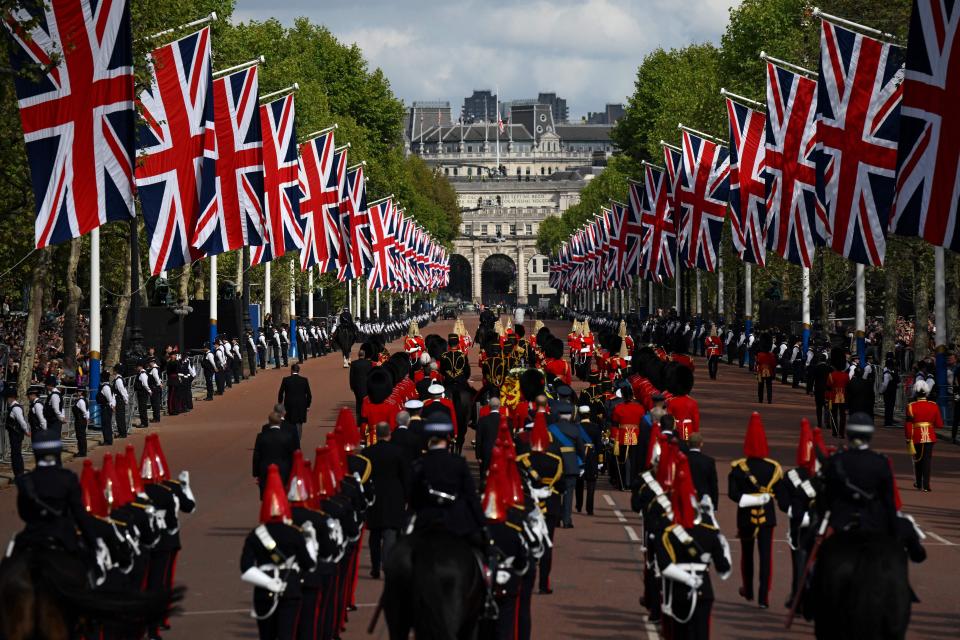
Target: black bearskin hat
<point x="401" y="361"/>
<point x="543" y="334"/>
<point x="520" y="330"/>
<point x="532" y="383"/>
<point x="679" y="379"/>
<point x="379" y="384"/>
<point x="838" y="358"/>
<point x="553" y="348"/>
<point x="681" y="343"/>
<point x="614" y="344"/>
<point x="436" y="345"/>
<point x="765" y="342"/>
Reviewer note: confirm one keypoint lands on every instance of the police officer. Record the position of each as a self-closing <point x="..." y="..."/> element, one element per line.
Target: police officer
<point x="53" y="409"/>
<point x="889" y="383"/>
<point x="17" y="427"/>
<point x="261" y="348"/>
<point x="156" y="388"/>
<point x="220" y="359"/>
<point x="237" y="362"/>
<point x="107" y="402"/>
<point x="284" y="345"/>
<point x="141" y="386"/>
<point x="122" y="399"/>
<point x="81" y="416"/>
<point x="251" y="348"/>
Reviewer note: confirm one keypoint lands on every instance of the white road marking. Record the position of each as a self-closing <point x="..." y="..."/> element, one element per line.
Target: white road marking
<point x="609" y="500"/>
<point x="619" y="515"/>
<point x="939" y="538"/>
<point x="651" y="630"/>
<point x="215" y="612"/>
<point x="632" y="534"/>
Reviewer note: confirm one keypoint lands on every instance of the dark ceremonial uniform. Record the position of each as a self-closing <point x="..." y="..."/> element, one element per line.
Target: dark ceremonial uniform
<point x="454" y="365"/>
<point x="279" y="550"/>
<point x="821" y="373"/>
<point x="314" y="583"/>
<point x="545" y="468"/>
<point x="797" y="501"/>
<point x="923" y="418"/>
<point x="592" y="437"/>
<point x="693" y="549"/>
<point x="858" y="491"/>
<point x="757" y="476"/>
<point x="654" y="505"/>
<point x="50" y="504"/>
<point x="443" y="494"/>
<point x="714" y="346"/>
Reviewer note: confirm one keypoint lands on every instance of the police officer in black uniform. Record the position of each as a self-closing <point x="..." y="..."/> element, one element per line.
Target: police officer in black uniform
<point x="81" y="416"/>
<point x="17" y="427"/>
<point x="120" y="397"/>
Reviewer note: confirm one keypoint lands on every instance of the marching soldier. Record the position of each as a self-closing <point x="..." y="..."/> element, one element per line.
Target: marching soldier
<point x="714" y="347"/>
<point x="766" y="369"/>
<point x="797" y="501"/>
<point x="592" y="437"/>
<point x="682" y="406"/>
<point x="754" y="481"/>
<point x="837" y="381"/>
<point x="923" y="418"/>
<point x="276" y="556"/>
<point x="17" y="427"/>
<point x="625" y="426"/>
<point x="122" y="398"/>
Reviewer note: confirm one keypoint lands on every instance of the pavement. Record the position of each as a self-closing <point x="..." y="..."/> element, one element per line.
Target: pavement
<point x="596" y="576"/>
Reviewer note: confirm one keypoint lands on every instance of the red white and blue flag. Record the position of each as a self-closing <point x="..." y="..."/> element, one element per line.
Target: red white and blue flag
<point x="928" y="164"/>
<point x="175" y="175"/>
<point x="381" y="242"/>
<point x="338" y="221"/>
<point x="858" y="125"/>
<point x="237" y="219"/>
<point x="361" y="260"/>
<point x="659" y="230"/>
<point x="77" y="114"/>
<point x="748" y="188"/>
<point x="281" y="189"/>
<point x="317" y="200"/>
<point x="794" y="223"/>
<point x="702" y="200"/>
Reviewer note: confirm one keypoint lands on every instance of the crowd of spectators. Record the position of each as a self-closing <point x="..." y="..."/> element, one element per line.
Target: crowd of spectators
<point x="49" y="352"/>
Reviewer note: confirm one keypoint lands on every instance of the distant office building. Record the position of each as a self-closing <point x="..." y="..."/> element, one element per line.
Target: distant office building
<point x="480" y="107"/>
<point x="611" y="114"/>
<point x="423" y="115"/>
<point x="558" y="106"/>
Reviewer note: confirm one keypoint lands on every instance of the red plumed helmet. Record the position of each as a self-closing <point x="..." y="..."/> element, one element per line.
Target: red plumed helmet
<point x="298" y="489"/>
<point x="274" y="506"/>
<point x="540" y="436"/>
<point x="108" y="478"/>
<point x="493" y="501"/>
<point x="164" y="467"/>
<point x="666" y="467"/>
<point x="806" y="459"/>
<point x="123" y="493"/>
<point x="683" y="496"/>
<point x="338" y="457"/>
<point x="347" y="429"/>
<point x="651" y="445"/>
<point x="515" y="494"/>
<point x="324" y="477"/>
<point x="153" y="464"/>
<point x="90" y="491"/>
<point x="755" y="443"/>
<point x="819" y="443"/>
<point x="133" y="471"/>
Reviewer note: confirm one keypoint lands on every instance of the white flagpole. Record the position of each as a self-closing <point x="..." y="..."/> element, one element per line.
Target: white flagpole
<point x="294" y="352"/>
<point x="861" y="316"/>
<point x="699" y="295"/>
<point x="213" y="299"/>
<point x="720" y="287"/>
<point x="806" y="310"/>
<point x="748" y="302"/>
<point x="310" y="293"/>
<point x="267" y="310"/>
<point x="349" y="297"/>
<point x="940" y="324"/>
<point x="95" y="320"/>
<point x="498" y="129"/>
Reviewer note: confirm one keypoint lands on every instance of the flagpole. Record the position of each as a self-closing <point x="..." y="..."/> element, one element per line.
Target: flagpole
<point x="806" y="310"/>
<point x="367" y="296"/>
<point x="720" y="287"/>
<point x="787" y="65"/>
<point x="650" y="297"/>
<point x="349" y="297"/>
<point x="759" y="106"/>
<point x="267" y="310"/>
<point x="861" y="315"/>
<point x="310" y="293"/>
<point x="244" y="288"/>
<point x="94" y="386"/>
<point x="683" y="127"/>
<point x="239" y="67"/>
<point x="212" y="17"/>
<point x="747" y="303"/>
<point x="498" y="128"/>
<point x="276" y="94"/>
<point x="377" y="298"/>
<point x="292" y="349"/>
<point x="213" y="299"/>
<point x="940" y="324"/>
<point x="817" y="13"/>
<point x="317" y="134"/>
<point x="699" y="295"/>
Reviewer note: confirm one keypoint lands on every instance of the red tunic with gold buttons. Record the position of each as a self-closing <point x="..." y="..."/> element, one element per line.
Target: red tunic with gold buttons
<point x="837" y="386"/>
<point x="686" y="414"/>
<point x="766" y="365"/>
<point x="923" y="419"/>
<point x="561" y="369"/>
<point x="714" y="346"/>
<point x="627" y="416"/>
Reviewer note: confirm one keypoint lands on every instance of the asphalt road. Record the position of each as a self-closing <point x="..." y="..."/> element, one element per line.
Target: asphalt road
<point x="596" y="575"/>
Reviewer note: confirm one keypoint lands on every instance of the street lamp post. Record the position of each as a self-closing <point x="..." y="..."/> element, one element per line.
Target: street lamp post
<point x="181" y="310"/>
<point x="135" y="351"/>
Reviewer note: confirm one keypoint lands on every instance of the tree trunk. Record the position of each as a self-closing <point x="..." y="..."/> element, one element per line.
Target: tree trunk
<point x="183" y="286"/>
<point x="72" y="308"/>
<point x="952" y="268"/>
<point x="34" y="314"/>
<point x="921" y="305"/>
<point x="890" y="308"/>
<point x="112" y="354"/>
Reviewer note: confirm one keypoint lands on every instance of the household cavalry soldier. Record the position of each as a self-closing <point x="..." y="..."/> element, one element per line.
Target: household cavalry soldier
<point x="276" y="556"/>
<point x="922" y="420"/>
<point x="413" y="344"/>
<point x="122" y="399"/>
<point x="107" y="402"/>
<point x="17" y="427"/>
<point x="754" y="481"/>
<point x="250" y="345"/>
<point x="141" y="386"/>
<point x="685" y="552"/>
<point x="453" y="363"/>
<point x="156" y="388"/>
<point x="798" y="501"/>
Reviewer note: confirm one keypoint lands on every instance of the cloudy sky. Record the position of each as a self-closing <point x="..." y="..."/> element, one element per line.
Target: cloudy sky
<point x="587" y="50"/>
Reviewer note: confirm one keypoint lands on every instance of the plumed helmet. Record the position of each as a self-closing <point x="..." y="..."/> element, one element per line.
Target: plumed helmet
<point x="346" y="429"/>
<point x="274" y="506"/>
<point x="133" y="471"/>
<point x="532" y="383"/>
<point x="755" y="441"/>
<point x="679" y="379"/>
<point x="298" y="487"/>
<point x="90" y="491"/>
<point x="540" y="435"/>
<point x="493" y="501"/>
<point x="806" y="456"/>
<point x="379" y="384"/>
<point x="683" y="496"/>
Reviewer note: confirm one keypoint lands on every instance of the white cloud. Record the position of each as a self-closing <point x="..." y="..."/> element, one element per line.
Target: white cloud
<point x="587" y="51"/>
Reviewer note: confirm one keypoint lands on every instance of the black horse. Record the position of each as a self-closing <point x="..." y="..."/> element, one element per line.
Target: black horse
<point x="344" y="336"/>
<point x="45" y="593"/>
<point x="434" y="586"/>
<point x="859" y="588"/>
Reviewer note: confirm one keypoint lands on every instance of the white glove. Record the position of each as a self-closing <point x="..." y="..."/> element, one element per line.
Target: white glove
<point x="256" y="577"/>
<point x="754" y="499"/>
<point x="310" y="533"/>
<point x="184" y="479"/>
<point x="688" y="578"/>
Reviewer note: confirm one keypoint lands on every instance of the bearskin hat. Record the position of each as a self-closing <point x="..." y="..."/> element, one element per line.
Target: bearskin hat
<point x="436" y="345"/>
<point x="379" y="384"/>
<point x="765" y="342"/>
<point x="543" y="334"/>
<point x="614" y="344"/>
<point x="838" y="358"/>
<point x="681" y="343"/>
<point x="532" y="383"/>
<point x="679" y="379"/>
<point x="402" y="362"/>
<point x="552" y="347"/>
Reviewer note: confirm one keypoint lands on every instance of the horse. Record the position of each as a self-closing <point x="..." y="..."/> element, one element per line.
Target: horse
<point x="462" y="395"/>
<point x="46" y="593"/>
<point x="859" y="588"/>
<point x="433" y="585"/>
<point x="344" y="336"/>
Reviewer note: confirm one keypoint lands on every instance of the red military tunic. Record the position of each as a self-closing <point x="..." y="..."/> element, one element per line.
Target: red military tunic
<point x="714" y="346"/>
<point x="837" y="386"/>
<point x="561" y="369"/>
<point x="922" y="420"/>
<point x="573" y="341"/>
<point x="627" y="417"/>
<point x="686" y="414"/>
<point x="372" y="413"/>
<point x="683" y="359"/>
<point x="413" y="345"/>
<point x="766" y="365"/>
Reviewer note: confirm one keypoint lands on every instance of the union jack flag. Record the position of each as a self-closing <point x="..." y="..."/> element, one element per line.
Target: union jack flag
<point x="659" y="235"/>
<point x="237" y="219"/>
<point x="928" y="182"/>
<point x="702" y="199"/>
<point x="858" y="124"/>
<point x="361" y="258"/>
<point x="792" y="210"/>
<point x="317" y="200"/>
<point x="381" y="242"/>
<point x="748" y="189"/>
<point x="175" y="176"/>
<point x="78" y="117"/>
<point x="672" y="159"/>
<point x="338" y="222"/>
<point x="618" y="219"/>
<point x="281" y="192"/>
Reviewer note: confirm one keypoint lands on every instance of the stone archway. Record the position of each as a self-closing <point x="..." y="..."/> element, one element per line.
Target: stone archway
<point x="461" y="278"/>
<point x="498" y="278"/>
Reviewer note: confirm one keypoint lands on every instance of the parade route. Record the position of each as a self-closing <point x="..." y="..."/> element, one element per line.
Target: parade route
<point x="597" y="564"/>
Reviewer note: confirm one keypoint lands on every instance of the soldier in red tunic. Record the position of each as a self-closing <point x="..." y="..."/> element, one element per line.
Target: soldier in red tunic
<point x="714" y="348"/>
<point x="683" y="408"/>
<point x="626" y="418"/>
<point x="556" y="366"/>
<point x="837" y="382"/>
<point x="923" y="418"/>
